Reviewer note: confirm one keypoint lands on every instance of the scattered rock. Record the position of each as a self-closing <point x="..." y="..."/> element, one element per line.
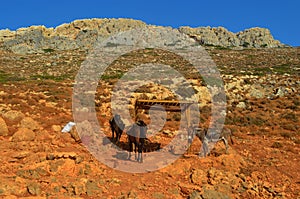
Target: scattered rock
<point x="195" y="195"/>
<point x="34" y="189"/>
<point x="29" y="123"/>
<point x="241" y="105"/>
<point x="92" y="188"/>
<point x="74" y="134"/>
<point x="13" y="116"/>
<point x="168" y="132"/>
<point x="158" y="195"/>
<point x="62" y="155"/>
<point x="56" y="128"/>
<point x="212" y="194"/>
<point x="85" y="128"/>
<point x="23" y="134"/>
<point x="198" y="176"/>
<point x="3" y="127"/>
<point x="280" y="92"/>
<point x="177" y="149"/>
<point x="256" y="93"/>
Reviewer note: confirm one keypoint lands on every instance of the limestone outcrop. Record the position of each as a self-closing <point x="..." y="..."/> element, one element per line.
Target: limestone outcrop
<point x="83" y="34"/>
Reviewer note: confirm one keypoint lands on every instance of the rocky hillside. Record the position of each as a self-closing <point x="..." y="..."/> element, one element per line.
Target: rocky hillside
<point x="262" y="88"/>
<point x="38" y="66"/>
<point x="253" y="37"/>
<point x="82" y="34"/>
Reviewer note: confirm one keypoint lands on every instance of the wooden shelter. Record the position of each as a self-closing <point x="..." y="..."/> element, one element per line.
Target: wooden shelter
<point x="169" y="105"/>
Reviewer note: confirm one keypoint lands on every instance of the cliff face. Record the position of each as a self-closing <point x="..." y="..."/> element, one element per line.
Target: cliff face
<point x="79" y="34"/>
<point x="82" y="34"/>
<point x="252" y="38"/>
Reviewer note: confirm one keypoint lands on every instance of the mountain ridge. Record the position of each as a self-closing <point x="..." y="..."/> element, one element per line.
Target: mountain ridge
<point x="83" y="33"/>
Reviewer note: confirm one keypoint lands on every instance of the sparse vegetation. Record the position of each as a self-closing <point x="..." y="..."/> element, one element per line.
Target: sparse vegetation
<point x="4" y="77"/>
<point x="48" y="50"/>
<point x="277" y="145"/>
<point x="266" y="132"/>
<point x="246" y="44"/>
<point x="49" y="77"/>
<point x="290" y="116"/>
<point x="177" y="117"/>
<point x="287" y="135"/>
<point x="112" y="76"/>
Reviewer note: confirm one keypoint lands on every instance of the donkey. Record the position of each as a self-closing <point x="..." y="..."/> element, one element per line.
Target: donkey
<point x="116" y="125"/>
<point x="202" y="134"/>
<point x="137" y="136"/>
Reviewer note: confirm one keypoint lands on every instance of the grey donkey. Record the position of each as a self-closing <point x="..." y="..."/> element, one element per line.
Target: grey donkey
<point x="205" y="138"/>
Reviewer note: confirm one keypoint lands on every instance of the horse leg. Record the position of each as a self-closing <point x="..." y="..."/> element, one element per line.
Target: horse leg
<point x="117" y="137"/>
<point x="190" y="139"/>
<point x="138" y="155"/>
<point x="130" y="150"/>
<point x="113" y="134"/>
<point x="135" y="149"/>
<point x="205" y="146"/>
<point x="225" y="143"/>
<point x="140" y="158"/>
<point x="231" y="140"/>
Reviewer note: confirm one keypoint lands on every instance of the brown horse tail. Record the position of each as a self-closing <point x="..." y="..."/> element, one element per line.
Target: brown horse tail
<point x="231" y="140"/>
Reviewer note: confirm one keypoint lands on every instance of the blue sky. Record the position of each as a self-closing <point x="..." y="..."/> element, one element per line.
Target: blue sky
<point x="281" y="17"/>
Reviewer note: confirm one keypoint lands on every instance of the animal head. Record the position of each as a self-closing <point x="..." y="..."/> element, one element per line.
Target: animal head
<point x="143" y="128"/>
<point x="141" y="123"/>
<point x="121" y="125"/>
<point x="117" y="117"/>
<point x="200" y="132"/>
<point x="117" y="121"/>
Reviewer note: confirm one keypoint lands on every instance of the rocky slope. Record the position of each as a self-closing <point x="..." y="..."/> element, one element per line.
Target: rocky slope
<point x="82" y="34"/>
<point x="262" y="86"/>
<point x="251" y="38"/>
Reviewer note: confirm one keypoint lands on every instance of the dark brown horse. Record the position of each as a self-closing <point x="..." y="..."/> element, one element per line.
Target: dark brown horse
<point x="137" y="136"/>
<point x="117" y="126"/>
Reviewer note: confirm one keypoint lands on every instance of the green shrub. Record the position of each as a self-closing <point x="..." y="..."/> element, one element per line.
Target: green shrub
<point x="277" y="145"/>
<point x="49" y="77"/>
<point x="290" y="116"/>
<point x="48" y="50"/>
<point x="4" y="77"/>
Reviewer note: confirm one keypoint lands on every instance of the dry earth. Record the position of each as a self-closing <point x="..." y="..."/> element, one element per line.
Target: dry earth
<point x="37" y="160"/>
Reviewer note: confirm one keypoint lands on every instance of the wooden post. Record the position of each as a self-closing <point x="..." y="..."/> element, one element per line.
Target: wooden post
<point x="187" y="114"/>
<point x="135" y="111"/>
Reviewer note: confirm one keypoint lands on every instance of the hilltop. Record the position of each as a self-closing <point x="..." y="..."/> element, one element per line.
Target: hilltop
<point x="82" y="34"/>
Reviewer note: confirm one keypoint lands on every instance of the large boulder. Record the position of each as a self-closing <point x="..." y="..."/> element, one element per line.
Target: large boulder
<point x="3" y="127"/>
<point x="13" y="116"/>
<point x="23" y="134"/>
<point x="29" y="123"/>
<point x="257" y="38"/>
